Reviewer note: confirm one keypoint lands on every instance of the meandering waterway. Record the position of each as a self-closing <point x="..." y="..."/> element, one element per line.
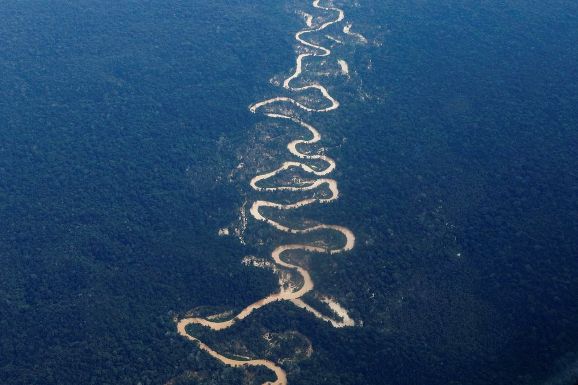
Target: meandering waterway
<point x="275" y="108"/>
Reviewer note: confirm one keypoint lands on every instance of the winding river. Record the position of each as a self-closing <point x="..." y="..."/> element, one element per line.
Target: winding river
<point x="271" y="108"/>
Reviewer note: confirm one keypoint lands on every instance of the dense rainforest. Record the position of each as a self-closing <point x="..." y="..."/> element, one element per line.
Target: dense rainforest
<point x="122" y="125"/>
